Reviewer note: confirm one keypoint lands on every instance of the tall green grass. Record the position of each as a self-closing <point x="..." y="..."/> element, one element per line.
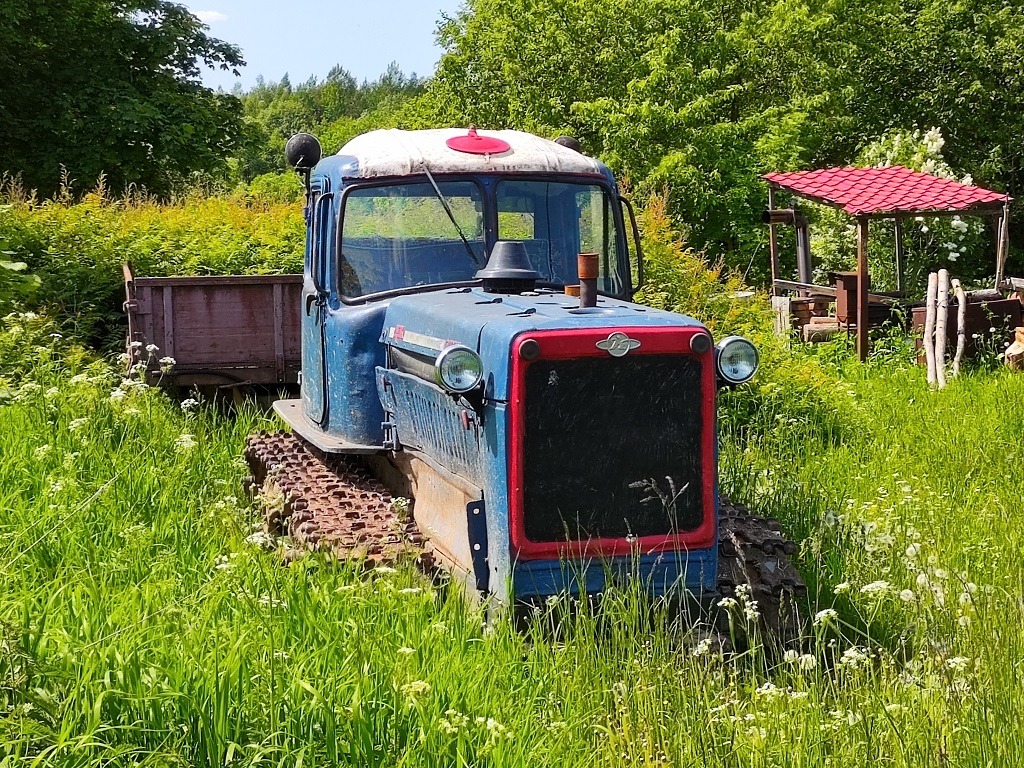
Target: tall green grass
<point x="140" y="627"/>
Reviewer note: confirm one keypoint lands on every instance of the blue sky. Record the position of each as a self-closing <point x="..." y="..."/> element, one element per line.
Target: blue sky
<point x="308" y="37"/>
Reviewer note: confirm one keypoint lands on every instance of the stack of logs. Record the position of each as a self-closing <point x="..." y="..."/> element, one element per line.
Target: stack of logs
<point x="935" y="332"/>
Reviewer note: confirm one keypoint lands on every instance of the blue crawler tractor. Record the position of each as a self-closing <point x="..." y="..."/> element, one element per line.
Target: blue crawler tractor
<point x="470" y="344"/>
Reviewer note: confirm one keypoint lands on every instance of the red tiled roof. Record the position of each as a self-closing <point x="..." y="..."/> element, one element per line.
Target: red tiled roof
<point x="866" y="191"/>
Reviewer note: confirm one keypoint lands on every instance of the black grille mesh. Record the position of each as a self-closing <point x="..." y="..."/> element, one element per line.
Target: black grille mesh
<point x="602" y="437"/>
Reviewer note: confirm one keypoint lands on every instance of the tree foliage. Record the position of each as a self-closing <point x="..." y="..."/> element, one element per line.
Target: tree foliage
<point x="705" y="96"/>
<point x="111" y="87"/>
<point x="335" y="109"/>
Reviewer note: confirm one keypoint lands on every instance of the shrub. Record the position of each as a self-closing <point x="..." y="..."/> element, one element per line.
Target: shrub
<point x="77" y="249"/>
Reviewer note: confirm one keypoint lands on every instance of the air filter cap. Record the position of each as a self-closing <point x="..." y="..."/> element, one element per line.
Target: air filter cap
<point x="509" y="269"/>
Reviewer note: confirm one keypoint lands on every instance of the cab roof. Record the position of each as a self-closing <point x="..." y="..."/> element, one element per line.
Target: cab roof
<point x="394" y="152"/>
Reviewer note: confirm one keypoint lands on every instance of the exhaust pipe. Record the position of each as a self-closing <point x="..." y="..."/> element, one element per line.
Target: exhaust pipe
<point x="587" y="267"/>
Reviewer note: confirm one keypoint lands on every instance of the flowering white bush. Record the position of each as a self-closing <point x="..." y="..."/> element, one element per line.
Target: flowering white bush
<point x="930" y="242"/>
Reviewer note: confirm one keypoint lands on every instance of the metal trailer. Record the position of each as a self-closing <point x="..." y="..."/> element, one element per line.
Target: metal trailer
<point x="224" y="331"/>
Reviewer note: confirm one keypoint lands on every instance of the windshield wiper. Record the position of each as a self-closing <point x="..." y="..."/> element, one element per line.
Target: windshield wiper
<point x="448" y="210"/>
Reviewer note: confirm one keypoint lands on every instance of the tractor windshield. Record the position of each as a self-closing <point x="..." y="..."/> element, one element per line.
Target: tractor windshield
<point x="558" y="220"/>
<point x="400" y="236"/>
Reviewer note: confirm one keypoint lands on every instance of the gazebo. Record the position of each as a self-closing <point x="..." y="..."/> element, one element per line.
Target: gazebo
<point x="893" y="193"/>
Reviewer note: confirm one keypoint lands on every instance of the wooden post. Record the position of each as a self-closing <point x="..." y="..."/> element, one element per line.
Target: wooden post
<point x="773" y="242"/>
<point x="862" y="289"/>
<point x="929" y="326"/>
<point x="961" y="324"/>
<point x="941" y="320"/>
<point x="1002" y="244"/>
<point x="899" y="255"/>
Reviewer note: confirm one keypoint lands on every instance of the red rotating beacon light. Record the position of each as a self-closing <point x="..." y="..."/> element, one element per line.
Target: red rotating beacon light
<point x="475" y="144"/>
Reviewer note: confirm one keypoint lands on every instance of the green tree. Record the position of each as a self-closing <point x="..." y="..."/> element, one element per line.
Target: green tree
<point x="111" y="87"/>
<point x="335" y="109"/>
<point x="702" y="97"/>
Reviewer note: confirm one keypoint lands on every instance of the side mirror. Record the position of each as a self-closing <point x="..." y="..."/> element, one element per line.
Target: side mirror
<point x="627" y="208"/>
<point x="303" y="152"/>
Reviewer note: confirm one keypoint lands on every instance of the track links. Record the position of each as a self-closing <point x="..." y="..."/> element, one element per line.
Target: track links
<point x="753" y="551"/>
<point x="326" y="502"/>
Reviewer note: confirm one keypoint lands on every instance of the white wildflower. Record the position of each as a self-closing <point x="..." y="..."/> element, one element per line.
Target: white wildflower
<point x="913" y="550"/>
<point x="876" y="588"/>
<point x="841" y="587"/>
<point x="261" y="539"/>
<point x="185" y="442"/>
<point x="826" y="616"/>
<point x="152" y="349"/>
<point x="41" y="452"/>
<point x="727" y="603"/>
<point x="77" y="424"/>
<point x="406" y="650"/>
<point x="958" y="663"/>
<point x="703" y="647"/>
<point x="135" y="345"/>
<point x="854" y="657"/>
<point x="791" y="656"/>
<point x="922" y="580"/>
<point x="189" y="404"/>
<point x="807" y="662"/>
<point x="769" y="691"/>
<point x="907" y="596"/>
<point x="166" y="363"/>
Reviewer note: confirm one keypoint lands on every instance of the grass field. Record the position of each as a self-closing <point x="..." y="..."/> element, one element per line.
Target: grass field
<point x="138" y="626"/>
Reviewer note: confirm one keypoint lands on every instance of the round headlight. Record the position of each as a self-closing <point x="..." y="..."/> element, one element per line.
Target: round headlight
<point x="458" y="369"/>
<point x="737" y="360"/>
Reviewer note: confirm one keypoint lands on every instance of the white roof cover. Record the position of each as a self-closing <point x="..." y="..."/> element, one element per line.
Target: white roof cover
<point x="401" y="153"/>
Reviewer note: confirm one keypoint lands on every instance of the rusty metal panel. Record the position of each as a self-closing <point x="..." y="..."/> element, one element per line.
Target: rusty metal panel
<point x="237" y="328"/>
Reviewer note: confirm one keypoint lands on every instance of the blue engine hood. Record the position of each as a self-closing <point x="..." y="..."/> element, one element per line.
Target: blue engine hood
<point x="489" y="322"/>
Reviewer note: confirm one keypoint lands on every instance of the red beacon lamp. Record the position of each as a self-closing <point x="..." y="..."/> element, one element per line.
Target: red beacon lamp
<point x="475" y="144"/>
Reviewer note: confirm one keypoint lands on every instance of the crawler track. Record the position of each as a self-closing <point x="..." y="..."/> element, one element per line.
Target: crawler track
<point x="752" y="551"/>
<point x="326" y="502"/>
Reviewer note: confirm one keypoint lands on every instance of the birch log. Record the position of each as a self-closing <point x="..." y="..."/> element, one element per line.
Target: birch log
<point x="961" y="324"/>
<point x="941" y="319"/>
<point x="929" y="326"/>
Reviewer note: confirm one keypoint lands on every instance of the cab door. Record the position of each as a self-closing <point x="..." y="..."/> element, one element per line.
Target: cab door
<point x="315" y="396"/>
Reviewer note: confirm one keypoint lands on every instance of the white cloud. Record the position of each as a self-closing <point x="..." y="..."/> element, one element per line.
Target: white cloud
<point x="211" y="17"/>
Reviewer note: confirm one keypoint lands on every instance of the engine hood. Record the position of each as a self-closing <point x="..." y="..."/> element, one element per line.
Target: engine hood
<point x="488" y="323"/>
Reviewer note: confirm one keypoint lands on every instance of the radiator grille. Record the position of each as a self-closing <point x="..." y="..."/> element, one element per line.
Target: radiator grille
<point x="612" y="447"/>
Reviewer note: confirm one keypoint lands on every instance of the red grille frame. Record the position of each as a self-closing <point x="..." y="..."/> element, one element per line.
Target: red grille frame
<point x="582" y="343"/>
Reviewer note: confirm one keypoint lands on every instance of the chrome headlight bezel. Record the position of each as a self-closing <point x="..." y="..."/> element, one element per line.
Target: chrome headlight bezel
<point x="445" y="358"/>
<point x="730" y="343"/>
